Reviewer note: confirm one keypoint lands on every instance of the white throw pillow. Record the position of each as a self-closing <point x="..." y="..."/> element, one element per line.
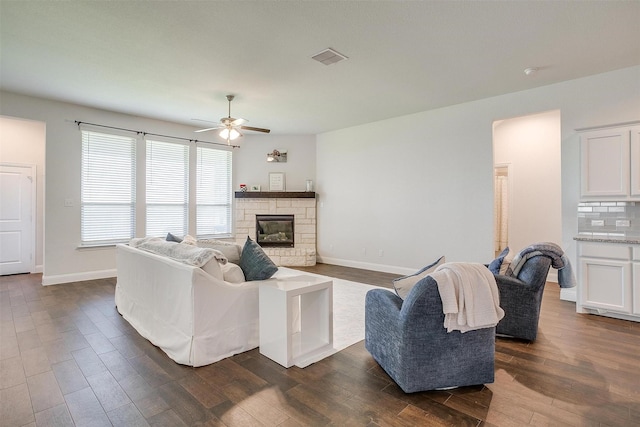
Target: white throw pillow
<point x="506" y="262"/>
<point x="213" y="268"/>
<point x="189" y="240"/>
<point x="404" y="284"/>
<point x="231" y="250"/>
<point x="232" y="273"/>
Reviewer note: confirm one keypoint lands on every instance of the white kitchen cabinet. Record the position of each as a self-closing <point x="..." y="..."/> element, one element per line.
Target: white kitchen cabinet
<point x="635" y="162"/>
<point x="610" y="163"/>
<point x="609" y="279"/>
<point x="636" y="276"/>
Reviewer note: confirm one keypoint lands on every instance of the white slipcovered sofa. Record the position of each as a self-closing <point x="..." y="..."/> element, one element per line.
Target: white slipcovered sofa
<point x="194" y="317"/>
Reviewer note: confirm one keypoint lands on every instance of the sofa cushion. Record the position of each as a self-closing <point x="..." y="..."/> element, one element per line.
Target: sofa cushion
<point x="496" y="265"/>
<point x="255" y="264"/>
<point x="213" y="267"/>
<point x="230" y="250"/>
<point x="403" y="285"/>
<point x="232" y="273"/>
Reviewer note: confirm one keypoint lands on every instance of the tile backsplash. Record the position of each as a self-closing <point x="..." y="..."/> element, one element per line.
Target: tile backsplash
<point x="619" y="219"/>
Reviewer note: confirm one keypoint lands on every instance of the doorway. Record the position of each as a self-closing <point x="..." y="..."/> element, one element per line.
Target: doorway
<point x="17" y="218"/>
<point x="501" y="208"/>
<point x="530" y="146"/>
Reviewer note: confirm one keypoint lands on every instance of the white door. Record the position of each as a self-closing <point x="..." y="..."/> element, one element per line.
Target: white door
<point x="17" y="187"/>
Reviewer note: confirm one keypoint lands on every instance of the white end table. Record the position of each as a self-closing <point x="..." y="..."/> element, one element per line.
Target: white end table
<point x="296" y="319"/>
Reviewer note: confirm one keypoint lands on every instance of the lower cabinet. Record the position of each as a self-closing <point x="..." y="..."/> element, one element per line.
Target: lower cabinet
<point x="608" y="279"/>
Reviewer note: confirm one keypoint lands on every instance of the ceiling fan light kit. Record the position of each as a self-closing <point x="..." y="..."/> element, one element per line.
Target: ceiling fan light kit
<point x="231" y="127"/>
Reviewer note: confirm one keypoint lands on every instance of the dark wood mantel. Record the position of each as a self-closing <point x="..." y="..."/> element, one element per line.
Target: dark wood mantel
<point x="275" y="194"/>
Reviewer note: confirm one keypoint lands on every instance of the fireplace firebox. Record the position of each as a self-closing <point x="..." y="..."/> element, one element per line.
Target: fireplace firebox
<point x="275" y="231"/>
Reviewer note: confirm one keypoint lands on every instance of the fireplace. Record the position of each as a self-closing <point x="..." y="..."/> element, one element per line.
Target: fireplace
<point x="298" y="204"/>
<point x="275" y="231"/>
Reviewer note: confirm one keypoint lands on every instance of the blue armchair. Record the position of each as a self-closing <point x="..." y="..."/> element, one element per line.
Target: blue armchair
<point x="407" y="338"/>
<point x="521" y="298"/>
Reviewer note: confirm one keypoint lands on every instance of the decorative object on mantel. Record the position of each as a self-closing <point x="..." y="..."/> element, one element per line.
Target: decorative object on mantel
<point x="255" y="188"/>
<point x="276" y="181"/>
<point x="276" y="155"/>
<point x="309" y="185"/>
<point x="243" y="187"/>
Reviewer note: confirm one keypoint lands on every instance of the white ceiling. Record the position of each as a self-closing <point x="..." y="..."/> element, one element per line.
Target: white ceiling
<point x="176" y="60"/>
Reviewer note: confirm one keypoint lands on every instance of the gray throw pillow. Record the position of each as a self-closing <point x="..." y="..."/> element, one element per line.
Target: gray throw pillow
<point x="403" y="285"/>
<point x="255" y="264"/>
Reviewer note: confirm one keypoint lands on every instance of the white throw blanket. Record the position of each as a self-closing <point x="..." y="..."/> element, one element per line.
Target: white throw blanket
<point x="185" y="253"/>
<point x="470" y="298"/>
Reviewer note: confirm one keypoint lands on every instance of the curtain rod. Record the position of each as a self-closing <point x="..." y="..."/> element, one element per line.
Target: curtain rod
<point x="153" y="134"/>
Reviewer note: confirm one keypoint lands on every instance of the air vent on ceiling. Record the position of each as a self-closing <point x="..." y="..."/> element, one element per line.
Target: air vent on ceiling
<point x="329" y="56"/>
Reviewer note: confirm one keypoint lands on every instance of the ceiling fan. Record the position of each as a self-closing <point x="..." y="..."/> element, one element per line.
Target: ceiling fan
<point x="231" y="127"/>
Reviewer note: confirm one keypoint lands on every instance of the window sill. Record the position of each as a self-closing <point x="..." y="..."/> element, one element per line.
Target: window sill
<point x="96" y="246"/>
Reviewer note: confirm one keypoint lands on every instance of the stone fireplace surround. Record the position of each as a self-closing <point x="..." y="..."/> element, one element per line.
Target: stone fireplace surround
<point x="300" y="204"/>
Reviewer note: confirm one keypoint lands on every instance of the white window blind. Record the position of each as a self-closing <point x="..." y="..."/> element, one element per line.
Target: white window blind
<point x="213" y="192"/>
<point x="167" y="193"/>
<point x="107" y="194"/>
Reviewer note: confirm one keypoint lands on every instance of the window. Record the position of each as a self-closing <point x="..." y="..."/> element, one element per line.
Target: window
<point x="107" y="195"/>
<point x="213" y="192"/>
<point x="167" y="193"/>
<point x="183" y="189"/>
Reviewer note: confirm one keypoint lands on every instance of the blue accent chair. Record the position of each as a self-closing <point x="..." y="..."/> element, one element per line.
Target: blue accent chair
<point x="408" y="340"/>
<point x="521" y="299"/>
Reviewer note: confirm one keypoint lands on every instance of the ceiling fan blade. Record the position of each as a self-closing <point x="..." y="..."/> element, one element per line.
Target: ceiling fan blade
<point x="207" y="129"/>
<point x="238" y="121"/>
<point x="204" y="121"/>
<point x="255" y="129"/>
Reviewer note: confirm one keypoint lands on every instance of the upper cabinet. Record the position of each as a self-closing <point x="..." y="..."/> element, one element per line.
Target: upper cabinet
<point x="610" y="163"/>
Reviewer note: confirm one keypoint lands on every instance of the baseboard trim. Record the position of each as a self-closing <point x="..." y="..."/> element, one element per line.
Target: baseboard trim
<point x="38" y="269"/>
<point x="569" y="294"/>
<point x="366" y="265"/>
<point x="78" y="277"/>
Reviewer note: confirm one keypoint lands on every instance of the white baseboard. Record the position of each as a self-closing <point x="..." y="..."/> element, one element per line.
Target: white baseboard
<point x="78" y="277"/>
<point x="366" y="265"/>
<point x="38" y="269"/>
<point x="569" y="294"/>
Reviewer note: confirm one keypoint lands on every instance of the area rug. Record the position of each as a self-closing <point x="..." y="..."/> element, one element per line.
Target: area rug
<point x="348" y="314"/>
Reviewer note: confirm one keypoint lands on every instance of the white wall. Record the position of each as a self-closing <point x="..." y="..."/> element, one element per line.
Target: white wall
<point x="531" y="147"/>
<point x="23" y="141"/>
<point x="63" y="261"/>
<point x="420" y="186"/>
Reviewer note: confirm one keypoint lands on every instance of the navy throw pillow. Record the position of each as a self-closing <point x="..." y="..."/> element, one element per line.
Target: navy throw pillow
<point x="172" y="238"/>
<point x="255" y="264"/>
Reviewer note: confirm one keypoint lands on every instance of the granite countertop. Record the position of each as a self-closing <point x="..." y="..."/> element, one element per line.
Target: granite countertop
<point x="608" y="239"/>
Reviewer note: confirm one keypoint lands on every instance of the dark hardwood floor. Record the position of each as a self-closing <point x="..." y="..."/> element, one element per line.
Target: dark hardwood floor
<point x="68" y="358"/>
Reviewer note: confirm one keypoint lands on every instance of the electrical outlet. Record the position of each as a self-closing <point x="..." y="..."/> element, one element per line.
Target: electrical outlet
<point x="623" y="223"/>
<point x="364" y="251"/>
<point x="597" y="222"/>
<point x="331" y="247"/>
<point x="68" y="203"/>
<point x="380" y="253"/>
